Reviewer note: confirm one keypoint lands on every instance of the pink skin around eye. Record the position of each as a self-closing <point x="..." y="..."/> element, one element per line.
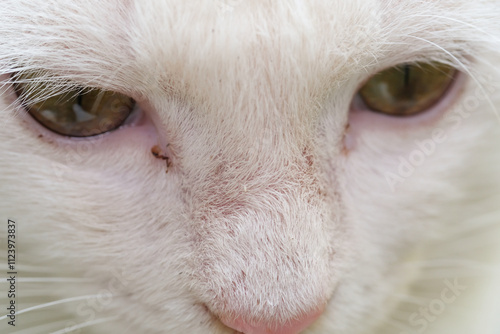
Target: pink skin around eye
<point x="361" y="118"/>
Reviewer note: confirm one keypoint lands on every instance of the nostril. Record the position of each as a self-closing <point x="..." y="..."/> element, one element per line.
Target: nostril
<point x="294" y="326"/>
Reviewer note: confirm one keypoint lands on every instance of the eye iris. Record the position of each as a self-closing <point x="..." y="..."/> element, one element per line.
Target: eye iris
<point x="407" y="89"/>
<point x="78" y="113"/>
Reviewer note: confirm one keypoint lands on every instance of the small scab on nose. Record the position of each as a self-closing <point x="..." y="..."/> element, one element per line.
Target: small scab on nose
<point x="156" y="150"/>
<point x="157" y="153"/>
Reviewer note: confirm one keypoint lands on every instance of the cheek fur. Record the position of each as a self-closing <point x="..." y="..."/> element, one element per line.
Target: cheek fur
<point x="251" y="195"/>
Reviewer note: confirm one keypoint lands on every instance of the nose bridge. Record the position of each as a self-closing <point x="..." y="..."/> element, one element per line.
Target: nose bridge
<point x="268" y="170"/>
<point x="256" y="208"/>
<point x="259" y="237"/>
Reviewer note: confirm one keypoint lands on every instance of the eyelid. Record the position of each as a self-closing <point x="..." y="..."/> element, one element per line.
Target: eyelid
<point x="407" y="89"/>
<point x="359" y="113"/>
<point x="77" y="111"/>
<point x="135" y="118"/>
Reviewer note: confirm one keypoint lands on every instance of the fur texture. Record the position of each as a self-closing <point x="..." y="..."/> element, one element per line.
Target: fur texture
<point x="282" y="196"/>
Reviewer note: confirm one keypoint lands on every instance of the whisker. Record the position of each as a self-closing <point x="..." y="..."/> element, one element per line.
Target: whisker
<point x="48" y="280"/>
<point x="84" y="325"/>
<point x="58" y="302"/>
<point x="482" y="31"/>
<point x="451" y="263"/>
<point x="466" y="70"/>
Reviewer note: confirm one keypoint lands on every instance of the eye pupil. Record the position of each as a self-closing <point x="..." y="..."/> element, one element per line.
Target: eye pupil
<point x="81" y="112"/>
<point x="407" y="75"/>
<point x="407" y="89"/>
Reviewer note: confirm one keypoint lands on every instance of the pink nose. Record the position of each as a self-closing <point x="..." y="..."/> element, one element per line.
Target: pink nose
<point x="291" y="327"/>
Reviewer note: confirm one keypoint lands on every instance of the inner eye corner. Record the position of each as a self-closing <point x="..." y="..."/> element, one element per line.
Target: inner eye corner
<point x="407" y="89"/>
<point x="75" y="111"/>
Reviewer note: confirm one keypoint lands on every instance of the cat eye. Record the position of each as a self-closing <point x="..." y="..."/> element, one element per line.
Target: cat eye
<point x="407" y="89"/>
<point x="80" y="112"/>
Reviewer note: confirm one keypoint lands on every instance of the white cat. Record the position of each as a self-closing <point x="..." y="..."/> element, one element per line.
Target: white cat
<point x="252" y="173"/>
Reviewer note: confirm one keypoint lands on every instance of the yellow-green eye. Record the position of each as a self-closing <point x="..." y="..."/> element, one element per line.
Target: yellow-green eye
<point x="81" y="112"/>
<point x="407" y="89"/>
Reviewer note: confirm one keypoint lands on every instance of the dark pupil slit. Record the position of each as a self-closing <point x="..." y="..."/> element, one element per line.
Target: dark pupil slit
<point x="407" y="74"/>
<point x="407" y="89"/>
<point x="79" y="98"/>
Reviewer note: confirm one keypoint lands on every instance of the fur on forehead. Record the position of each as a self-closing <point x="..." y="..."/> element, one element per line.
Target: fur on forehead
<point x="116" y="44"/>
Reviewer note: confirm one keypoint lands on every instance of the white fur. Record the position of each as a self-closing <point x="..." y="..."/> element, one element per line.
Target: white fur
<point x="273" y="205"/>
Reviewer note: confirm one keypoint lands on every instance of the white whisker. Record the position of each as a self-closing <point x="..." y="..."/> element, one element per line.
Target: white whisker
<point x="440" y="17"/>
<point x="84" y="325"/>
<point x="58" y="302"/>
<point x="48" y="280"/>
<point x="466" y="70"/>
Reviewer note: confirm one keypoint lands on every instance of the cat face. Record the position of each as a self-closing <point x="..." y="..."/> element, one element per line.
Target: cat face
<point x="251" y="189"/>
